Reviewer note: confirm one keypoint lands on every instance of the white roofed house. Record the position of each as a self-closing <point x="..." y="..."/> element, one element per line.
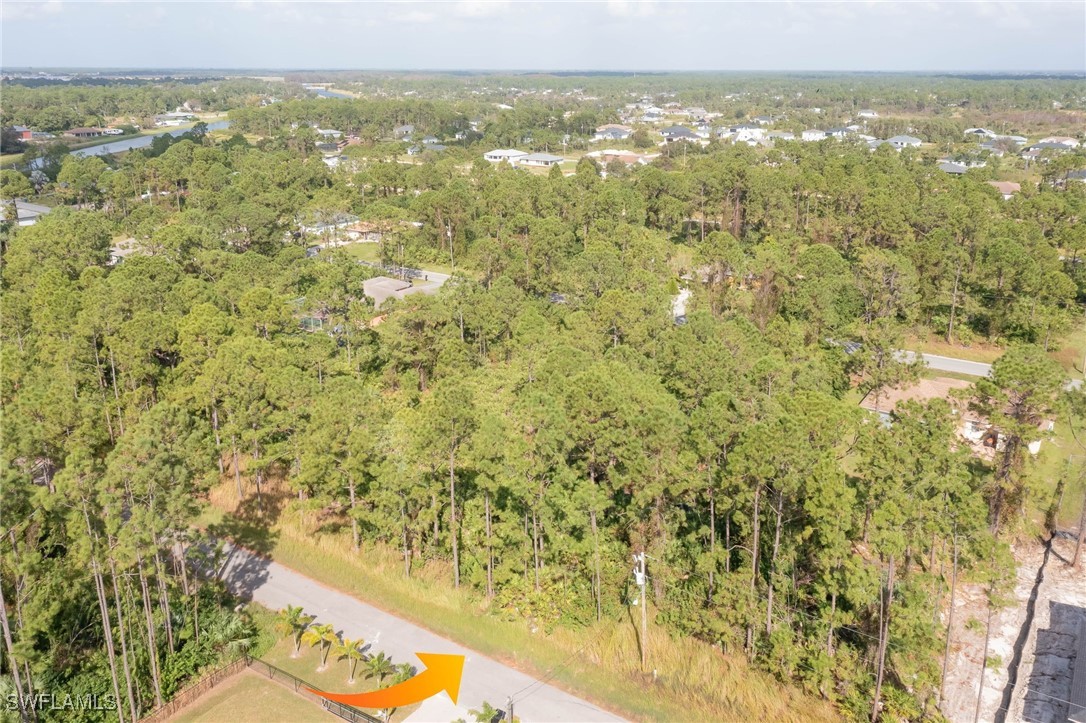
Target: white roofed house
<point x="900" y="142"/>
<point x="1061" y="140"/>
<point x="26" y="213"/>
<point x="813" y="134"/>
<point x="508" y="155"/>
<point x="540" y="160"/>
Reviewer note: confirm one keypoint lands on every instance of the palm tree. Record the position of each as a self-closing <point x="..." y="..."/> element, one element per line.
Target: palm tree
<point x="323" y="636"/>
<point x="401" y="674"/>
<point x="229" y="632"/>
<point x="351" y="649"/>
<point x="484" y="713"/>
<point x="292" y="622"/>
<point x="379" y="666"/>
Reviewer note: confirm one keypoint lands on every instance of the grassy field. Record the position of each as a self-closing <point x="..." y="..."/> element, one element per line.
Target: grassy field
<point x="333" y="678"/>
<point x="695" y="681"/>
<point x="248" y="697"/>
<point x="363" y="252"/>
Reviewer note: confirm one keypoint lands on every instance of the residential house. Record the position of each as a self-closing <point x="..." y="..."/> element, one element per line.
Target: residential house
<point x="813" y="134"/>
<point x="973" y="429"/>
<point x="26" y="214"/>
<point x="334" y="228"/>
<point x="403" y="131"/>
<point x="328" y="133"/>
<point x="900" y="142"/>
<point x="867" y="113"/>
<point x="613" y="132"/>
<point x="781" y="136"/>
<point x="382" y="288"/>
<point x="980" y="132"/>
<point x="1037" y="149"/>
<point x="510" y="156"/>
<point x="1065" y="141"/>
<point x="84" y="132"/>
<point x="174" y="118"/>
<point x="431" y="140"/>
<point x="954" y="169"/>
<point x="763" y="120"/>
<point x="545" y="160"/>
<point x="840" y="133"/>
<point x="23" y="133"/>
<point x="364" y="232"/>
<point x="679" y="133"/>
<point x="1006" y="188"/>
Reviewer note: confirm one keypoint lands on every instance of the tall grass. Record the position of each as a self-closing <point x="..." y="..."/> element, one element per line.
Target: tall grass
<point x="692" y="680"/>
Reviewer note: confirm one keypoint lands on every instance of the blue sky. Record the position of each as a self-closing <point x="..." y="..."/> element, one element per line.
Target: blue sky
<point x="483" y="34"/>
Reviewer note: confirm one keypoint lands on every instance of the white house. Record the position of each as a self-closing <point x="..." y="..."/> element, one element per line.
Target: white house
<point x="982" y="132"/>
<point x="900" y="142"/>
<point x="1061" y="140"/>
<point x="539" y="159"/>
<point x="510" y="156"/>
<point x="812" y="134"/>
<point x="678" y="133"/>
<point x="867" y="113"/>
<point x="26" y="213"/>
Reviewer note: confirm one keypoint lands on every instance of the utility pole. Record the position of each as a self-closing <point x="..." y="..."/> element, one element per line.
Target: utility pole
<point x="639" y="579"/>
<point x="509" y="705"/>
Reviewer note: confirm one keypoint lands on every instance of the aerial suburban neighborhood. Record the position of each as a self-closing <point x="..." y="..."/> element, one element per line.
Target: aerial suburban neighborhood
<point x="664" y="377"/>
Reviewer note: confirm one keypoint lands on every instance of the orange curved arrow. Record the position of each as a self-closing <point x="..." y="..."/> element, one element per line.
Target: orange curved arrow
<point x="442" y="673"/>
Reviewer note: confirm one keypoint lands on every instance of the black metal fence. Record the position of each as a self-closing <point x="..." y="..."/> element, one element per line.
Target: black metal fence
<point x="301" y="687"/>
<point x="193" y="692"/>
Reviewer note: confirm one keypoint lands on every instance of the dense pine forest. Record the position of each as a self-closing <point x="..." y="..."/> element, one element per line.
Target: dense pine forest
<point x="542" y="418"/>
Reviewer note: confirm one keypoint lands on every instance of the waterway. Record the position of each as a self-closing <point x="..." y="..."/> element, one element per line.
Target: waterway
<point x="323" y="93"/>
<point x="129" y="144"/>
<point x="141" y="141"/>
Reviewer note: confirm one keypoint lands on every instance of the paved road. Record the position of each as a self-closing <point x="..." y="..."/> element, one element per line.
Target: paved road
<point x="963" y="366"/>
<point x="275" y="586"/>
<point x="950" y="364"/>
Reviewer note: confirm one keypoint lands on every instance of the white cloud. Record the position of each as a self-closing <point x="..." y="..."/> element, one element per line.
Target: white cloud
<point x="414" y="16"/>
<point x="20" y="10"/>
<point x="480" y="8"/>
<point x="631" y="8"/>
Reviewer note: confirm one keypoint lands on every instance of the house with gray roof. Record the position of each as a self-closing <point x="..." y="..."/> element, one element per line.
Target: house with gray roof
<point x="678" y="133"/>
<point x="900" y="142"/>
<point x="544" y="160"/>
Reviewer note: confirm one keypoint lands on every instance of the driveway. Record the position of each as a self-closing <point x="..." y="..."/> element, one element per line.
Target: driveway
<point x="276" y="586"/>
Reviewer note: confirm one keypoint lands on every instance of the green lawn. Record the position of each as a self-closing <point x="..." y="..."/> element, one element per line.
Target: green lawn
<point x="334" y="677"/>
<point x="363" y="252"/>
<point x="248" y="697"/>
